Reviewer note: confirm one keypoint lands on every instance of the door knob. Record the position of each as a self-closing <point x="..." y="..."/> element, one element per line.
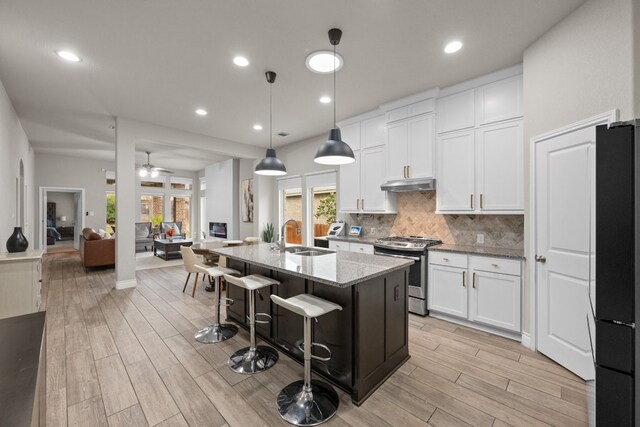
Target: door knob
<point x="541" y="258"/>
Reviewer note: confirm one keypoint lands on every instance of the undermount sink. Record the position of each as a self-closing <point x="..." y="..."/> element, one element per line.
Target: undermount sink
<point x="305" y="251"/>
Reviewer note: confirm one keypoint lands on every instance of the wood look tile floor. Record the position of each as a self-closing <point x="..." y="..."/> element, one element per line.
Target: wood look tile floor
<point x="128" y="358"/>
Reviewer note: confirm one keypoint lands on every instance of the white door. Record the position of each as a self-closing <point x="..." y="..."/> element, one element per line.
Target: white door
<point x="455" y="185"/>
<point x="499" y="167"/>
<point x="448" y="290"/>
<point x="564" y="217"/>
<point x="349" y="189"/>
<point x="421" y="136"/>
<point x="397" y="151"/>
<point x="372" y="164"/>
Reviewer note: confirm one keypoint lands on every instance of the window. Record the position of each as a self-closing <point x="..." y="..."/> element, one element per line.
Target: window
<point x="290" y="190"/>
<point x="151" y="206"/>
<point x="323" y="211"/>
<point x="181" y="183"/>
<point x="157" y="182"/>
<point x="111" y="212"/>
<point x="180" y="212"/>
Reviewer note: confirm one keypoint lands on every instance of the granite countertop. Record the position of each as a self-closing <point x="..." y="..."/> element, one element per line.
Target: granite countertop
<point x="342" y="271"/>
<point x="480" y="250"/>
<point x="365" y="240"/>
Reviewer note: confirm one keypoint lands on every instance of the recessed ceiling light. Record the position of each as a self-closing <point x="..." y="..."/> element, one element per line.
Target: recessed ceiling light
<point x="201" y="112"/>
<point x="68" y="55"/>
<point x="322" y="62"/>
<point x="257" y="127"/>
<point x="241" y="61"/>
<point x="453" y="46"/>
<point x="325" y="99"/>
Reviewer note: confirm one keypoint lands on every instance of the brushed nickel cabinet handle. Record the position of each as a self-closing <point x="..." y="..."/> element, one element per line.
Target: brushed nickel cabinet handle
<point x="408" y="171"/>
<point x="471" y="200"/>
<point x="464" y="276"/>
<point x="445" y="259"/>
<point x="494" y="265"/>
<point x="362" y="204"/>
<point x="481" y="200"/>
<point x="474" y="280"/>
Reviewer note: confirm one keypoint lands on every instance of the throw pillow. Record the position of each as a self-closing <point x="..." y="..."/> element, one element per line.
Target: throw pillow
<point x="176" y="229"/>
<point x="142" y="231"/>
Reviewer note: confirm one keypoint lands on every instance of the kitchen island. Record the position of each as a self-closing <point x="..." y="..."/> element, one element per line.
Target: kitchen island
<point x="368" y="338"/>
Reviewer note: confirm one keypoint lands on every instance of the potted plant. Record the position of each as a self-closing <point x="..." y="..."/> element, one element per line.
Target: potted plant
<point x="267" y="233"/>
<point x="155" y="223"/>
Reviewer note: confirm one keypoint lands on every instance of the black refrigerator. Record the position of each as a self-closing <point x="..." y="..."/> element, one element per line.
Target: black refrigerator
<point x="617" y="288"/>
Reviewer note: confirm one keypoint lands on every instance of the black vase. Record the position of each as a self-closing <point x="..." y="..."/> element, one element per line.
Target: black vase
<point x="17" y="242"/>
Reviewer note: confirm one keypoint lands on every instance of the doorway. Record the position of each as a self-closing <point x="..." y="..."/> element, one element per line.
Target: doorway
<point x="563" y="243"/>
<point x="61" y="217"/>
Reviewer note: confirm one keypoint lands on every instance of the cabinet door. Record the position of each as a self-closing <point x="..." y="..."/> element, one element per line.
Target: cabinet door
<point x="351" y="135"/>
<point x="499" y="167"/>
<point x="501" y="100"/>
<point x="455" y="183"/>
<point x="373" y="132"/>
<point x="447" y="291"/>
<point x="495" y="300"/>
<point x="397" y="140"/>
<point x="349" y="190"/>
<point x="421" y="144"/>
<point x="372" y="164"/>
<point x="456" y="111"/>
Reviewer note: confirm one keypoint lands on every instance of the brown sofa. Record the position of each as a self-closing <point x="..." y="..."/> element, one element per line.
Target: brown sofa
<point x="96" y="251"/>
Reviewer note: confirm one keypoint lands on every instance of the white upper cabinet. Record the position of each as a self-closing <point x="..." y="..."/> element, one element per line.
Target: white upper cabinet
<point x="421" y="147"/>
<point x="359" y="184"/>
<point x="455" y="187"/>
<point x="351" y="135"/>
<point x="397" y="150"/>
<point x="499" y="167"/>
<point x="456" y="111"/>
<point x="501" y="100"/>
<point x="349" y="190"/>
<point x="410" y="110"/>
<point x="373" y="132"/>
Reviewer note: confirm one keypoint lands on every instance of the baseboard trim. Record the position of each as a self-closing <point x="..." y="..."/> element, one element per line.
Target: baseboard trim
<point x="485" y="328"/>
<point x="125" y="284"/>
<point x="527" y="341"/>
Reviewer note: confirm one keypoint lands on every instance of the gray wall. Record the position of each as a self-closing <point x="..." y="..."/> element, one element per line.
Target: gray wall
<point x="581" y="67"/>
<point x="15" y="148"/>
<point x="65" y="206"/>
<point x="298" y="157"/>
<point x="223" y="194"/>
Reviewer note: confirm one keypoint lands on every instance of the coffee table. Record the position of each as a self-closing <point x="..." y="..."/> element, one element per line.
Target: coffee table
<point x="170" y="248"/>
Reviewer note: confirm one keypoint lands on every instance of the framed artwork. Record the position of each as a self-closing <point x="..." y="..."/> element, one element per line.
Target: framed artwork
<point x="247" y="200"/>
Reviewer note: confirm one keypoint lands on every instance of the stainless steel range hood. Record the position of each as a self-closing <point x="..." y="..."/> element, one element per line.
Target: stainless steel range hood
<point x="405" y="185"/>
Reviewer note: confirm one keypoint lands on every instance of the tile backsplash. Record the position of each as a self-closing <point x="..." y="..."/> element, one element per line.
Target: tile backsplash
<point x="416" y="216"/>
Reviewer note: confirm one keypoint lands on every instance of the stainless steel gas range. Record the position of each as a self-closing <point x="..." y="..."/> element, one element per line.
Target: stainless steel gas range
<point x="414" y="248"/>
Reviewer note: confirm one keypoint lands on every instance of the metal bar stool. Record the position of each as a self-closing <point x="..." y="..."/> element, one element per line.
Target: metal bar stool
<point x="253" y="359"/>
<point x="307" y="402"/>
<point x="218" y="331"/>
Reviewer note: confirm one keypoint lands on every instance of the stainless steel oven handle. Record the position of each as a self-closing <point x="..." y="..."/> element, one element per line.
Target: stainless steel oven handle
<point x="398" y="256"/>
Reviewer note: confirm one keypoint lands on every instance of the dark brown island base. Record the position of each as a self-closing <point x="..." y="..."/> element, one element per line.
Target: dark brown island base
<point x="368" y="339"/>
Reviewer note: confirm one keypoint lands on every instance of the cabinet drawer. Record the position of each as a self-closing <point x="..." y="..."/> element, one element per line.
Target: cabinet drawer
<point x="338" y="246"/>
<point x="360" y="248"/>
<point x="495" y="265"/>
<point x="448" y="259"/>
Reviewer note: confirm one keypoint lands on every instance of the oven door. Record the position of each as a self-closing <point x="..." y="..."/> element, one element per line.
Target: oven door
<point x="417" y="271"/>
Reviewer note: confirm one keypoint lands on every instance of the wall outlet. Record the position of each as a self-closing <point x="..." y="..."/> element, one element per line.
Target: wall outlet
<point x="372" y="231"/>
<point x="480" y="238"/>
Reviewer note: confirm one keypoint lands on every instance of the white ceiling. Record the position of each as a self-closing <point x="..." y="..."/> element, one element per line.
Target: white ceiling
<point x="157" y="61"/>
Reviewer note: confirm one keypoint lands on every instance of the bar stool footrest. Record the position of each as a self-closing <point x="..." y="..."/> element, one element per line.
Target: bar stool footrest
<point x="322" y="346"/>
<point x="307" y="408"/>
<point x="267" y="316"/>
<point x="228" y="302"/>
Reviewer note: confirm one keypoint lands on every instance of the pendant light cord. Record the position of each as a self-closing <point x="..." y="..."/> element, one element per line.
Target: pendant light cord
<point x="334" y="86"/>
<point x="270" y="115"/>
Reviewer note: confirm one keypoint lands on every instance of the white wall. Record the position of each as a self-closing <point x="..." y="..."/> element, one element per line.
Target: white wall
<point x="223" y="195"/>
<point x="581" y="67"/>
<point x="65" y="206"/>
<point x="298" y="157"/>
<point x="15" y="147"/>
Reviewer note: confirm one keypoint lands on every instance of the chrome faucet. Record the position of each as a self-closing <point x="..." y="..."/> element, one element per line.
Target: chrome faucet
<point x="281" y="245"/>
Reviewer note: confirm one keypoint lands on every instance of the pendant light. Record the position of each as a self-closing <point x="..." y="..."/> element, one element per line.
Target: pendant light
<point x="270" y="165"/>
<point x="334" y="151"/>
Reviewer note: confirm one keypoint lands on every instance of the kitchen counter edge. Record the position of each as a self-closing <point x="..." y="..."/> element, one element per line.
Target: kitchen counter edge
<point x="481" y="250"/>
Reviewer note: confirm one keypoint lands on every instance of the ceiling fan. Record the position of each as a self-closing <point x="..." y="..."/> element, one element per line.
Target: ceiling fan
<point x="150" y="170"/>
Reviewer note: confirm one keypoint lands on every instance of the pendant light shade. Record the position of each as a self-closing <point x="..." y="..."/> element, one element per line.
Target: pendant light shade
<point x="334" y="151"/>
<point x="270" y="165"/>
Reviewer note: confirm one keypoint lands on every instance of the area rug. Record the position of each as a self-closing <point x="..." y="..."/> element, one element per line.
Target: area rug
<point x="146" y="260"/>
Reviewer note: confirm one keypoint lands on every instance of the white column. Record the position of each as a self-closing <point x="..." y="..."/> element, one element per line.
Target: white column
<point x="125" y="207"/>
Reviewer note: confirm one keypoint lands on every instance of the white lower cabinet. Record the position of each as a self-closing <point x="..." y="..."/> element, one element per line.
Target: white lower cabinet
<point x="487" y="290"/>
<point x="20" y="275"/>
<point x="352" y="247"/>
